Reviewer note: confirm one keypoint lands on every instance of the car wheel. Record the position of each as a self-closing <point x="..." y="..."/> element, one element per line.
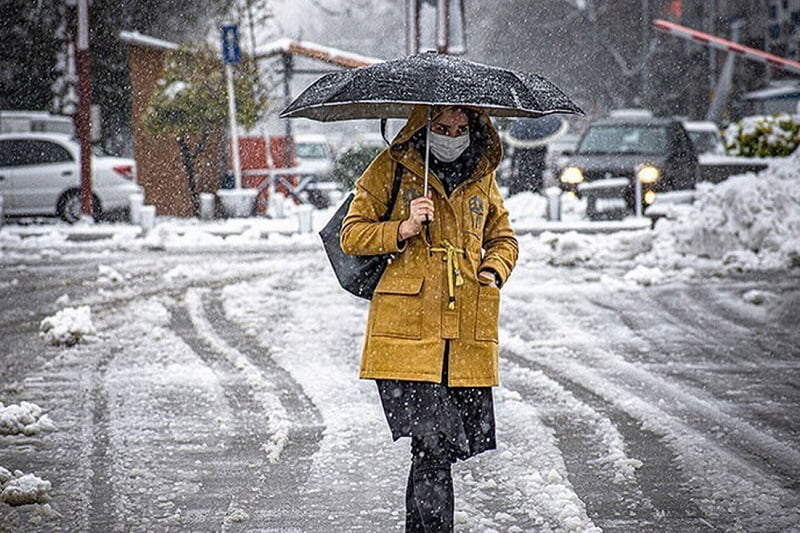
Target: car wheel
<point x="69" y="207"/>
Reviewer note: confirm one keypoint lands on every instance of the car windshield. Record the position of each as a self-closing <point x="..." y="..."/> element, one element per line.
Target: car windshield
<point x="705" y="141"/>
<point x="311" y="151"/>
<point x="624" y="139"/>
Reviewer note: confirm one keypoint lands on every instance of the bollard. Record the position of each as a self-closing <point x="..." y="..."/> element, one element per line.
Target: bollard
<point x="553" y="195"/>
<point x="136" y="201"/>
<point x="237" y="202"/>
<point x="207" y="206"/>
<point x="2" y="212"/>
<point x="305" y="216"/>
<point x="148" y="217"/>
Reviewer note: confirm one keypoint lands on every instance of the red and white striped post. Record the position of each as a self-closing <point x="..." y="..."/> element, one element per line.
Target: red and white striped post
<point x="719" y="43"/>
<point x="83" y="121"/>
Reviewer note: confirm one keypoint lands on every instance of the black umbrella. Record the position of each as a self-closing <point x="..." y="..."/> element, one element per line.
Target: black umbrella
<point x="391" y="89"/>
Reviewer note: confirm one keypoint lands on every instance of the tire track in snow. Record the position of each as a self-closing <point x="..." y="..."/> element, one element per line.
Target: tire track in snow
<point x="601" y="447"/>
<point x="102" y="488"/>
<point x="732" y="492"/>
<point x="699" y="399"/>
<point x="268" y="452"/>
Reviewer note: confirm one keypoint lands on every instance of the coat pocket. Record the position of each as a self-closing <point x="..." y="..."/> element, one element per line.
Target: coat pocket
<point x="397" y="305"/>
<point x="488" y="313"/>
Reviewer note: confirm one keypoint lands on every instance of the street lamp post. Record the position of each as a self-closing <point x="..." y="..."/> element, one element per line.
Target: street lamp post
<point x="83" y="122"/>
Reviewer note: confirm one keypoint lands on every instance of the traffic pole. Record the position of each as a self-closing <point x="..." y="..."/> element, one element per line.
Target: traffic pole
<point x="231" y="54"/>
<point x="84" y="126"/>
<point x="237" y="167"/>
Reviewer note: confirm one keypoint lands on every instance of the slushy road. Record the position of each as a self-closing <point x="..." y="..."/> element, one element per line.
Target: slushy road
<point x="220" y="393"/>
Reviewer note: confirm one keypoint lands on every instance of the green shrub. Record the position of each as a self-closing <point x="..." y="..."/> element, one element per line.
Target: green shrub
<point x="353" y="161"/>
<point x="775" y="136"/>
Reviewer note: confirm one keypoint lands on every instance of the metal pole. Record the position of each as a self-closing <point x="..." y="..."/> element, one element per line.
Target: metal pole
<point x="427" y="153"/>
<point x="442" y="26"/>
<point x="645" y="50"/>
<point x="237" y="168"/>
<point x="638" y="197"/>
<point x="412" y="27"/>
<point x="288" y="64"/>
<point x="84" y="107"/>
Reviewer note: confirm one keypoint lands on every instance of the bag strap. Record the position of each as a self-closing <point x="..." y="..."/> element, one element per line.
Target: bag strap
<point x="398" y="177"/>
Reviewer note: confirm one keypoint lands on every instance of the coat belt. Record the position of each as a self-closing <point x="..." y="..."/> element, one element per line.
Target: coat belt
<point x="454" y="278"/>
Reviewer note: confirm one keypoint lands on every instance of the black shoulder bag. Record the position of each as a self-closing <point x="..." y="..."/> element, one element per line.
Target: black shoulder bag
<point x="357" y="274"/>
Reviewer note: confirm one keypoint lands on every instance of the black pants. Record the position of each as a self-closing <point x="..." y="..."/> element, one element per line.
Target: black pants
<point x="429" y="494"/>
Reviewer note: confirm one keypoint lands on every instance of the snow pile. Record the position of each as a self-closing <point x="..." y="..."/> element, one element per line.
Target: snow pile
<point x="569" y="249"/>
<point x="68" y="327"/>
<point x="527" y="207"/>
<point x="25" y="418"/>
<point x="526" y="204"/>
<point x="573" y="248"/>
<point x="180" y="272"/>
<point x="755" y="297"/>
<point x="109" y="276"/>
<point x="22" y="489"/>
<point x="645" y="276"/>
<point x="748" y="221"/>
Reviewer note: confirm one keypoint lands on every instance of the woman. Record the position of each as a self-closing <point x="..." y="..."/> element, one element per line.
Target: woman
<point x="431" y="341"/>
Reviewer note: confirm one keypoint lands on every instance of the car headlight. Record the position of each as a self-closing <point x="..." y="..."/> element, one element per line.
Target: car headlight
<point x="572" y="175"/>
<point x="648" y="174"/>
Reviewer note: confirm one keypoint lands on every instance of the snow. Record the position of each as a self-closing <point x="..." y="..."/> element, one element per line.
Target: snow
<point x="134" y="37"/>
<point x="22" y="489"/>
<point x="323" y="53"/>
<point x="278" y="423"/>
<point x="749" y="222"/>
<point x="25" y="418"/>
<point x="109" y="276"/>
<point x="70" y="326"/>
<point x="175" y="88"/>
<point x="645" y="276"/>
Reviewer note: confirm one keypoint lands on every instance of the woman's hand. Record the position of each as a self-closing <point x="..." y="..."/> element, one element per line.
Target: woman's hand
<point x="420" y="210"/>
<point x="487" y="277"/>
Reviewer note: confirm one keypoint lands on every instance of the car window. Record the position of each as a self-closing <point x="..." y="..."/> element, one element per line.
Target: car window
<point x="704" y="141"/>
<point x="311" y="151"/>
<point x="38" y="152"/>
<point x="624" y="139"/>
<point x="8" y="156"/>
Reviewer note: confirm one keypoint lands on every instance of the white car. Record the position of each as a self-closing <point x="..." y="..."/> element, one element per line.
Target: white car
<point x="314" y="156"/>
<point x="40" y="175"/>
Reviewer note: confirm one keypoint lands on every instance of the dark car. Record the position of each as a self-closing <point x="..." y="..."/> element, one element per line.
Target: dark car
<point x="657" y="151"/>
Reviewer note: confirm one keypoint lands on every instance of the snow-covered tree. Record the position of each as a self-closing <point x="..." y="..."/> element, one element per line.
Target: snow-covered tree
<point x="775" y="136"/>
<point x="191" y="103"/>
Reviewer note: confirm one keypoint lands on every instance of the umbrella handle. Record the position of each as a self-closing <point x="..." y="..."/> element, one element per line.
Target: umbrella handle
<point x="427" y="222"/>
<point x="427" y="153"/>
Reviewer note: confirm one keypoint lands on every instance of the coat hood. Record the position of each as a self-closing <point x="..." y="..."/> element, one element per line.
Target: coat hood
<point x="491" y="148"/>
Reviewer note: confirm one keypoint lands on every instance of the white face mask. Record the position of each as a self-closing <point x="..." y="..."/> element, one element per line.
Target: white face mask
<point x="447" y="149"/>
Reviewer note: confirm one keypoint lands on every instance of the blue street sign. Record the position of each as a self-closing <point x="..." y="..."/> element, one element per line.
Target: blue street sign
<point x="230" y="45"/>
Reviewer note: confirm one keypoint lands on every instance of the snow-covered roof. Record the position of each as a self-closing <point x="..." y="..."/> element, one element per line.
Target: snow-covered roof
<point x="316" y="51"/>
<point x="134" y="37"/>
<point x="700" y="125"/>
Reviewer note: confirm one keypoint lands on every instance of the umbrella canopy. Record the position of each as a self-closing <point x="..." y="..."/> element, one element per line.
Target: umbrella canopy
<point x="391" y="89"/>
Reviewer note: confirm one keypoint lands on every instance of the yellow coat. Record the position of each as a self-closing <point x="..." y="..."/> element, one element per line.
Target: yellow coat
<point x="410" y="315"/>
